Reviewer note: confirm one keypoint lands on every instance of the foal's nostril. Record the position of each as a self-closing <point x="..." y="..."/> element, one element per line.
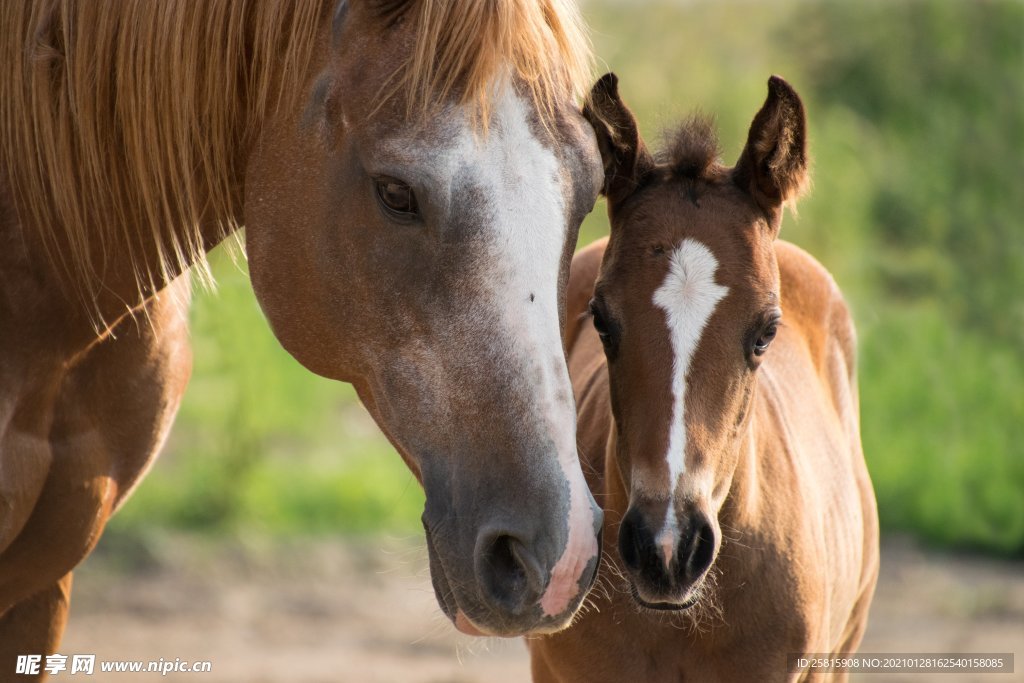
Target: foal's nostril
<point x="508" y="574"/>
<point x="696" y="557"/>
<point x="631" y="542"/>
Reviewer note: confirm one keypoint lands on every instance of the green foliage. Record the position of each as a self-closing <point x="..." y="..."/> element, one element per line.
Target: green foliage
<point x="941" y="85"/>
<point x="942" y="428"/>
<point x="260" y="443"/>
<point x="917" y="134"/>
<point x="935" y="90"/>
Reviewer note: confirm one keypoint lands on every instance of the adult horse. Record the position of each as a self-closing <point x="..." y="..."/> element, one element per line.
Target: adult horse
<point x="718" y="397"/>
<point x="412" y="175"/>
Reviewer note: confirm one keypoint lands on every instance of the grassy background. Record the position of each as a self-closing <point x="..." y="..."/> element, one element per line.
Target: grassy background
<point x="917" y="130"/>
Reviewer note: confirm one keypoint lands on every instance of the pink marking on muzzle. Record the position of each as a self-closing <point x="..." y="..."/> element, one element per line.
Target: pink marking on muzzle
<point x="667" y="542"/>
<point x="580" y="549"/>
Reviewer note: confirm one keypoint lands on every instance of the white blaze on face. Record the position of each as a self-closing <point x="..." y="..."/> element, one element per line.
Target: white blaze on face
<point x="689" y="296"/>
<point x="524" y="192"/>
<point x="529" y="202"/>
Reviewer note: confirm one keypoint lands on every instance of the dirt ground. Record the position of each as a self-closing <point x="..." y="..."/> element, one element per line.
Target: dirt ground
<point x="364" y="612"/>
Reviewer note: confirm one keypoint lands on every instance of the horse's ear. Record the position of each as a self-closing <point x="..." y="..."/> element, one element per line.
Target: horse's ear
<point x="624" y="154"/>
<point x="773" y="165"/>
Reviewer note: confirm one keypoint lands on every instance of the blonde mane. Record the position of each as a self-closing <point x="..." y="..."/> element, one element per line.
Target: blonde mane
<point x="121" y="121"/>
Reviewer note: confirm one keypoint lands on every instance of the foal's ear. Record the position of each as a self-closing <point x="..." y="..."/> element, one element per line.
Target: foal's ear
<point x="773" y="165"/>
<point x="626" y="159"/>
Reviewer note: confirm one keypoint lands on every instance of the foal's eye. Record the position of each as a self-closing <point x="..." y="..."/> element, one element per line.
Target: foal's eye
<point x="765" y="338"/>
<point x="606" y="328"/>
<point x="397" y="198"/>
<point x="600" y="324"/>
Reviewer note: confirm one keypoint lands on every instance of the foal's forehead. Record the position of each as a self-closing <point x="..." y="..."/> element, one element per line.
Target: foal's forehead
<point x="665" y="214"/>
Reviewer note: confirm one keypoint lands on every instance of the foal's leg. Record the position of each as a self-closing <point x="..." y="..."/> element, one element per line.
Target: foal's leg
<point x="855" y="629"/>
<point x="34" y="626"/>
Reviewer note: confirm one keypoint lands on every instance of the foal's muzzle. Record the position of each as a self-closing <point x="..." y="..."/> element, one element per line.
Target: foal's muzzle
<point x="666" y="564"/>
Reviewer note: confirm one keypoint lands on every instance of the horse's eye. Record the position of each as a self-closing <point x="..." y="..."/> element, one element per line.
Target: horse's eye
<point x="397" y="198"/>
<point x="765" y="338"/>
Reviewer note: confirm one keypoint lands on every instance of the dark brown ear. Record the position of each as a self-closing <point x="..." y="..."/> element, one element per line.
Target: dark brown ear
<point x="773" y="165"/>
<point x="626" y="159"/>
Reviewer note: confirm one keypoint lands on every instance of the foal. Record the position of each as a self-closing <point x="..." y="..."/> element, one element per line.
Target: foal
<point x="717" y="416"/>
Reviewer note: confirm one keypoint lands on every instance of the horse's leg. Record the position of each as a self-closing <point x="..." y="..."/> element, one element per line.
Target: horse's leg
<point x="34" y="626"/>
<point x="112" y="413"/>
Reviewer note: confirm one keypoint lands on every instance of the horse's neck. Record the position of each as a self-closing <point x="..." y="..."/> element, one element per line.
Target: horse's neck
<point x="30" y="302"/>
<point x="34" y="296"/>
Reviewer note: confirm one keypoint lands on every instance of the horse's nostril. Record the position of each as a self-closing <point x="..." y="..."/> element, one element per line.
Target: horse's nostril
<point x="505" y="563"/>
<point x="508" y="574"/>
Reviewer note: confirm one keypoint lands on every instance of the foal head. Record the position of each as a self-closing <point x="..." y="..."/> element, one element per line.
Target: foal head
<point x="686" y="305"/>
<point x="409" y="230"/>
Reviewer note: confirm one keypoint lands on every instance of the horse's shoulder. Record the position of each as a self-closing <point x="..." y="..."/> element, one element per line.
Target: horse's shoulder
<point x="586" y="264"/>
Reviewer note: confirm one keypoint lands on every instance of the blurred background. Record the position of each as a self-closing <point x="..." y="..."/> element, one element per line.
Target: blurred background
<point x="916" y="111"/>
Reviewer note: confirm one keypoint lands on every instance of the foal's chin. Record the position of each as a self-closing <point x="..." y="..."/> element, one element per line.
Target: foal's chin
<point x="690" y="599"/>
<point x="677" y="599"/>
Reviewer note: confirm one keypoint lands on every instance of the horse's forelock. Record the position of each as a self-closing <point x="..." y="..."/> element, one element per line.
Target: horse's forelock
<point x="463" y="46"/>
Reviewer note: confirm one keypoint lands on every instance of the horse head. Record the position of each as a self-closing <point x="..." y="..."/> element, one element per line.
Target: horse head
<point x="409" y="227"/>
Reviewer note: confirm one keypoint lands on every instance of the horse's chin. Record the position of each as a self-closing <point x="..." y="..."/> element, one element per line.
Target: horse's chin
<point x="472" y="620"/>
<point x="465" y="625"/>
<point x="446" y="597"/>
<point x="439" y="579"/>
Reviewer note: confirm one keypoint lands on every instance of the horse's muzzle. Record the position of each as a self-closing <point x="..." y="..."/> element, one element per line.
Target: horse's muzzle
<point x="509" y="578"/>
